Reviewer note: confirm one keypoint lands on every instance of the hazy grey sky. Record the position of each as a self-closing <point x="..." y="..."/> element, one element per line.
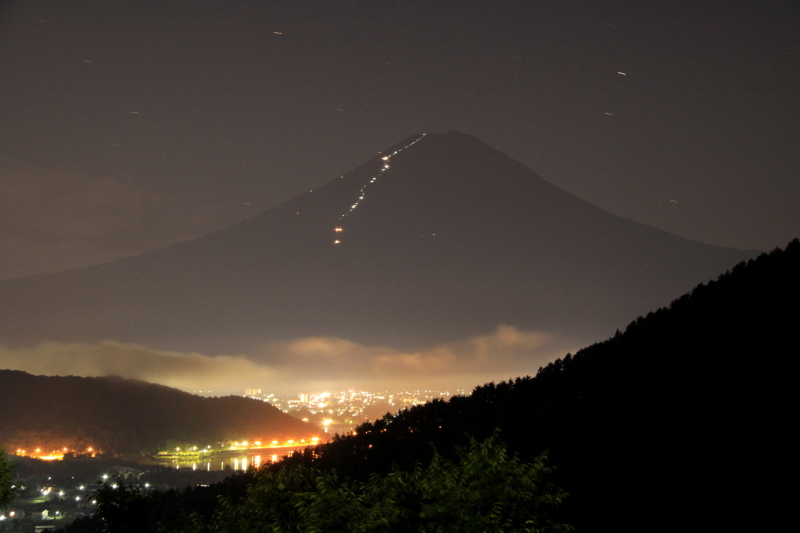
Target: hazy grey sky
<point x="126" y="126"/>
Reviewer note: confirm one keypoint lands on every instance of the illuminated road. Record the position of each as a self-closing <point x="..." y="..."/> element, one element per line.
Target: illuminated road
<point x="238" y="459"/>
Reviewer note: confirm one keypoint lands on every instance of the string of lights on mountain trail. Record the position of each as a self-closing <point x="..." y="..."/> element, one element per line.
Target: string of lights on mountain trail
<point x="374" y="178"/>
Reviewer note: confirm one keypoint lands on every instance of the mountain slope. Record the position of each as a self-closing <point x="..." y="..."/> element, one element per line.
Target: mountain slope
<point x="683" y="422"/>
<point x="448" y="237"/>
<point x="128" y="416"/>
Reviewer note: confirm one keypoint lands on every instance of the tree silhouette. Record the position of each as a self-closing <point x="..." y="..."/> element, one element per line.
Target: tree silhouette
<point x="6" y="481"/>
<point x="485" y="489"/>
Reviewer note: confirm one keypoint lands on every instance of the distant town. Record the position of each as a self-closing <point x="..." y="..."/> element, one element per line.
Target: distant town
<point x="334" y="411"/>
<point x="340" y="411"/>
<point x="53" y="497"/>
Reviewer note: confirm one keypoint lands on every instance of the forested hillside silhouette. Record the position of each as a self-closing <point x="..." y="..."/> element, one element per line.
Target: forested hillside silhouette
<point x="684" y="420"/>
<point x="118" y="415"/>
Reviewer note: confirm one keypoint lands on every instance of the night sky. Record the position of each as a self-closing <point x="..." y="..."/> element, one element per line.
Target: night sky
<point x="126" y="126"/>
<point x="129" y="125"/>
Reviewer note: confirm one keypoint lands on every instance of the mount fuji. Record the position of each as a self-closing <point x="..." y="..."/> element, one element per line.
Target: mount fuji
<point x="437" y="238"/>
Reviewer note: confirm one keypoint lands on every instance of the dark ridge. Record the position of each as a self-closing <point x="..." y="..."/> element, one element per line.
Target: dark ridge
<point x="683" y="422"/>
<point x="118" y="415"/>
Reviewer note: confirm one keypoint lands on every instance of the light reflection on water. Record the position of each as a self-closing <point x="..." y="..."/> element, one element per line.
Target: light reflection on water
<point x="235" y="461"/>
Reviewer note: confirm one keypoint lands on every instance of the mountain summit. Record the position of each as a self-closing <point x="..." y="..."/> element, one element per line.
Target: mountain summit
<point x="437" y="238"/>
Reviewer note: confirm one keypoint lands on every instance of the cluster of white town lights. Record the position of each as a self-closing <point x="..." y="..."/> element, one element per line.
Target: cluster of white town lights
<point x="374" y="178"/>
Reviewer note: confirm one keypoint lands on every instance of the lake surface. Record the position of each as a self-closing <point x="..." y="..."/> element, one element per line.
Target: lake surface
<point x="230" y="460"/>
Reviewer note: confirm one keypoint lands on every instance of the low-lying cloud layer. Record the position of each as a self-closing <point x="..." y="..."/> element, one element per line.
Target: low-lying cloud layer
<point x="301" y="364"/>
<point x="187" y="371"/>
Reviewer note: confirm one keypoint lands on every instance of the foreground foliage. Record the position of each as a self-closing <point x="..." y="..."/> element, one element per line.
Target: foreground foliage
<point x="681" y="422"/>
<point x="486" y="489"/>
<point x="6" y="479"/>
